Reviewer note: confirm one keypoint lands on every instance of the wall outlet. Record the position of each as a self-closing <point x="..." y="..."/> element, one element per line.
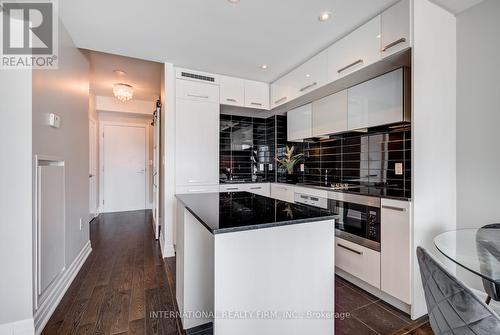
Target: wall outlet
<point x="270" y="167"/>
<point x="301" y="167"/>
<point x="54" y="120"/>
<point x="81" y="223"/>
<point x="261" y="167"/>
<point x="398" y="167"/>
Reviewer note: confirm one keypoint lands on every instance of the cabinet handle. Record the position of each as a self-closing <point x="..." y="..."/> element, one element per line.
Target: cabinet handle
<point x="390" y="45"/>
<point x="232" y="188"/>
<point x="392" y="208"/>
<point x="255" y="188"/>
<point x="350" y="65"/>
<point x="231" y="100"/>
<point x="196" y="181"/>
<point x="308" y="86"/>
<point x="350" y="249"/>
<point x="256" y="103"/>
<point x="197" y="96"/>
<point x="280" y="100"/>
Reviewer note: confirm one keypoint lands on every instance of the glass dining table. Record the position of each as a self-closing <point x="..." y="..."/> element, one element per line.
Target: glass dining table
<point x="477" y="250"/>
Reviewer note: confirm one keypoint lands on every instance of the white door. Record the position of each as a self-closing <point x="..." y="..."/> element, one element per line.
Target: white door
<point x="124" y="167"/>
<point x="93" y="201"/>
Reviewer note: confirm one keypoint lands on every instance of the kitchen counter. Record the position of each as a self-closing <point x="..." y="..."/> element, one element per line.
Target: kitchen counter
<point x="230" y="212"/>
<point x="269" y="248"/>
<point x="374" y="191"/>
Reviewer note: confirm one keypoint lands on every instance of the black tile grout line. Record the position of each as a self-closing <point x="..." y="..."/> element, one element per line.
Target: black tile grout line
<point x="376" y="332"/>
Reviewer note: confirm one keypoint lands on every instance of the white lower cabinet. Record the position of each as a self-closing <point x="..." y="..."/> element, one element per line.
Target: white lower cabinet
<point x="283" y="192"/>
<point x="396" y="250"/>
<point x="263" y="189"/>
<point x="197" y="189"/>
<point x="358" y="261"/>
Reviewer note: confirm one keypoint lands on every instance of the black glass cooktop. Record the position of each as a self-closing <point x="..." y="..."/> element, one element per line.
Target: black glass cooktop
<point x="229" y="212"/>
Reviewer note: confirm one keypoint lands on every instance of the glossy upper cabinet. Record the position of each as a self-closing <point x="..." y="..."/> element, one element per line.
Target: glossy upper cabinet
<point x="355" y="51"/>
<point x="197" y="135"/>
<point x="395" y="28"/>
<point x="256" y="94"/>
<point x="299" y="123"/>
<point x="329" y="115"/>
<point x="301" y="80"/>
<point x="379" y="101"/>
<point x="232" y="91"/>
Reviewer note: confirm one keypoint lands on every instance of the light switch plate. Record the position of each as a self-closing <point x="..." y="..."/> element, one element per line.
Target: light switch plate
<point x="301" y="167"/>
<point x="398" y="167"/>
<point x="270" y="167"/>
<point x="54" y="120"/>
<point x="261" y="167"/>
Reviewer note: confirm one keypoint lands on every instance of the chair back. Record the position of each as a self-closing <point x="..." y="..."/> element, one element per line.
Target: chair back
<point x="453" y="308"/>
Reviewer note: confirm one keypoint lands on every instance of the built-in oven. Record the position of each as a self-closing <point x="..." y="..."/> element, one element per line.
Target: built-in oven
<point x="357" y="218"/>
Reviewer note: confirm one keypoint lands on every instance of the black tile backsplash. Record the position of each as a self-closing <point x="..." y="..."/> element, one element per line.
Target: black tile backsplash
<point x="248" y="147"/>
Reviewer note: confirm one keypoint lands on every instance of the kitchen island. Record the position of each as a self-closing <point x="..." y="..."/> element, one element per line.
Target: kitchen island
<point x="251" y="264"/>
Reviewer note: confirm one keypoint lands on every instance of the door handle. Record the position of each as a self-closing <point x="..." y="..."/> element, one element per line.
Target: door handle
<point x="350" y="249"/>
<point x="392" y="44"/>
<point x="308" y="87"/>
<point x="350" y="65"/>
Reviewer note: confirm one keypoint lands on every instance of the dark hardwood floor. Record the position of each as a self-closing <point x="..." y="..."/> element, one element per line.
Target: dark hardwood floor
<point x="122" y="281"/>
<point x="125" y="279"/>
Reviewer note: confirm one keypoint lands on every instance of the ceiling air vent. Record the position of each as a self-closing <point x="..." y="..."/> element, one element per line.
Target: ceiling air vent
<point x="197" y="76"/>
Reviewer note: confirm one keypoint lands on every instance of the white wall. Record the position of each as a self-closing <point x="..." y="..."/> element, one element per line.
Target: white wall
<point x="168" y="162"/>
<point x="478" y="119"/>
<point x="434" y="132"/>
<point x="15" y="199"/>
<point x="135" y="106"/>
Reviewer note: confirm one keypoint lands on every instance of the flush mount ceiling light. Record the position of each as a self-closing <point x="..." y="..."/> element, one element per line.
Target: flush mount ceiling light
<point x="120" y="72"/>
<point x="263" y="66"/>
<point x="123" y="92"/>
<point x="324" y="16"/>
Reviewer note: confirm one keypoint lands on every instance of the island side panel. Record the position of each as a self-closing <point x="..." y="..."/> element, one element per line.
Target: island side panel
<point x="281" y="269"/>
<point x="195" y="266"/>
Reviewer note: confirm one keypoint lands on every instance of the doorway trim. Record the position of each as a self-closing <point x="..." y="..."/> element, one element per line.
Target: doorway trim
<point x="102" y="124"/>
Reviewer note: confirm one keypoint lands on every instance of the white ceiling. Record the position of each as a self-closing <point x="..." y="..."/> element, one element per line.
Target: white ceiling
<point x="217" y="36"/>
<point x="456" y="6"/>
<point x="144" y="76"/>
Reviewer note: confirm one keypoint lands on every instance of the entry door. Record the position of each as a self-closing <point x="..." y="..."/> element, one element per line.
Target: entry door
<point x="93" y="201"/>
<point x="124" y="169"/>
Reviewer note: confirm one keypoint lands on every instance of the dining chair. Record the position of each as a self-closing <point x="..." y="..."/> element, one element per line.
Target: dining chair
<point x="453" y="308"/>
<point x="485" y="254"/>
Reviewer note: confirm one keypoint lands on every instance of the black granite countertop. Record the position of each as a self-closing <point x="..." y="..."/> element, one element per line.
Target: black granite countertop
<point x="231" y="212"/>
<point x="369" y="190"/>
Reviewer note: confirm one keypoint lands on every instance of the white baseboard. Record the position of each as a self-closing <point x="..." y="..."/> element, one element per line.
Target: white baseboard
<point x="45" y="310"/>
<point x="23" y="327"/>
<point x="167" y="250"/>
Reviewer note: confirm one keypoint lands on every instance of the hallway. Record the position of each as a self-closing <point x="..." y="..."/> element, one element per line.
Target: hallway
<point x="123" y="280"/>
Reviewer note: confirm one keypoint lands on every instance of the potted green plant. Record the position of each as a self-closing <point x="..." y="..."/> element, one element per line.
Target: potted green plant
<point x="288" y="162"/>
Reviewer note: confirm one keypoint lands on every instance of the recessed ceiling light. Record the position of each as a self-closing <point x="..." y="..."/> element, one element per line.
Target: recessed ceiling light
<point x="120" y="72"/>
<point x="308" y="75"/>
<point x="233" y="1"/>
<point x="378" y="36"/>
<point x="323" y="16"/>
<point x="263" y="66"/>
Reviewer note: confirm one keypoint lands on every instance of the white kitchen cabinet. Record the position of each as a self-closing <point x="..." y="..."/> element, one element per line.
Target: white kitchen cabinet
<point x="197" y="141"/>
<point x="282" y="91"/>
<point x="359" y="261"/>
<point x="355" y="51"/>
<point x="299" y="123"/>
<point x="283" y="192"/>
<point x="303" y="79"/>
<point x="396" y="250"/>
<point x="329" y="115"/>
<point x="379" y="101"/>
<point x="232" y="91"/>
<point x="196" y="91"/>
<point x="395" y="32"/>
<point x="256" y="188"/>
<point x="256" y="94"/>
